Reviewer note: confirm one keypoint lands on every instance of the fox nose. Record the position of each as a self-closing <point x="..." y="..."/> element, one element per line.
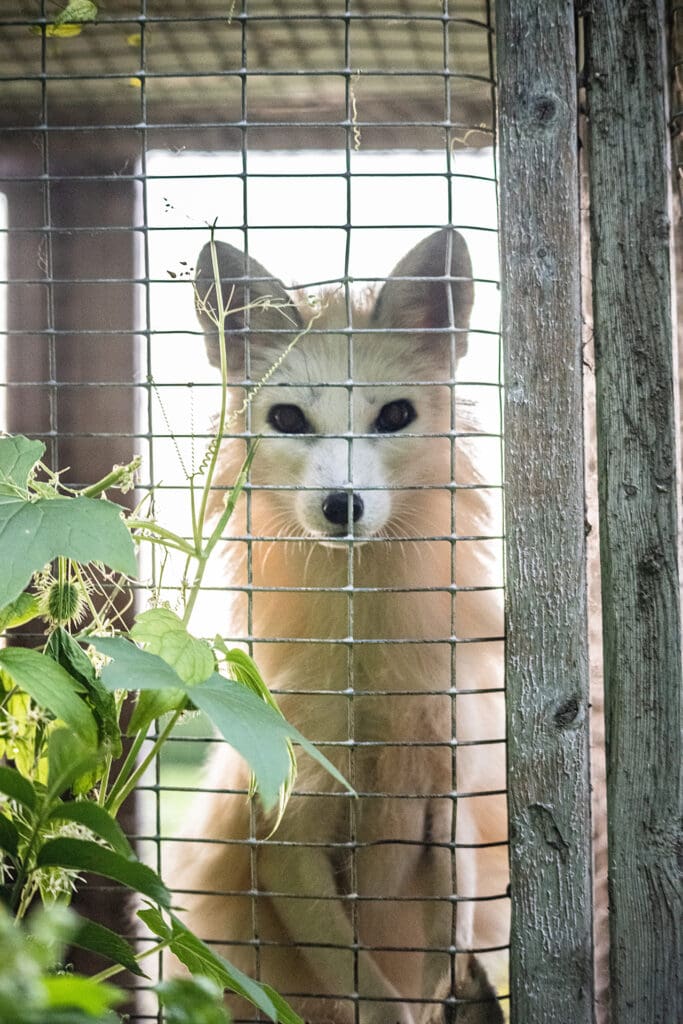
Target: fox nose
<point x="336" y="507"/>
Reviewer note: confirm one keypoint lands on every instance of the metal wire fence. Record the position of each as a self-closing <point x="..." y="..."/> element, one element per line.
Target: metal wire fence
<point x="325" y="143"/>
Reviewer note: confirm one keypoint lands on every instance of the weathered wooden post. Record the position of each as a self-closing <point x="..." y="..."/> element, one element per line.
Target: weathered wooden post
<point x="546" y="662"/>
<point x="637" y="440"/>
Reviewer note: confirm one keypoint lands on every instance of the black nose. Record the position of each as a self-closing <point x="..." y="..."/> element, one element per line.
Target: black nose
<point x="336" y="507"/>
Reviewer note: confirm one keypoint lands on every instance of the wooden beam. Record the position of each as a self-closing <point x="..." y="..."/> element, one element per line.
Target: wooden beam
<point x="637" y="440"/>
<point x="546" y="648"/>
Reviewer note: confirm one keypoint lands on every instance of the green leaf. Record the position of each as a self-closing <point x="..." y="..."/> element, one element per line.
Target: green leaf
<point x="133" y="668"/>
<point x="14" y="785"/>
<point x="76" y="12"/>
<point x="32" y="533"/>
<point x="192" y="1001"/>
<point x="247" y="723"/>
<point x="51" y="687"/>
<point x="107" y="943"/>
<point x="68" y="758"/>
<point x="152" y="704"/>
<point x="258" y="732"/>
<point x="162" y="632"/>
<point x="79" y="993"/>
<point x="83" y="855"/>
<point x="155" y="922"/>
<point x="66" y="651"/>
<point x="17" y="612"/>
<point x="18" y="456"/>
<point x="200" y="959"/>
<point x="245" y="670"/>
<point x="285" y="1013"/>
<point x="98" y="820"/>
<point x="9" y="836"/>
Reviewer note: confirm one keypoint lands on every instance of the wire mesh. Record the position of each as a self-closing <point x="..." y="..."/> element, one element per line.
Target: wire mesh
<point x="326" y="142"/>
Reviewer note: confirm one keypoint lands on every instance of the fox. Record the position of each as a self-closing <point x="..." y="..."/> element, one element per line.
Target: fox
<point x="358" y="568"/>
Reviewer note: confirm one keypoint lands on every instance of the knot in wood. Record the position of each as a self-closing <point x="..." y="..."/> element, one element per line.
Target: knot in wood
<point x="543" y="109"/>
<point x="651" y="563"/>
<point x="567" y="712"/>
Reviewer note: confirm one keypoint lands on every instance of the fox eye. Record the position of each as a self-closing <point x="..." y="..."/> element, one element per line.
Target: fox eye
<point x="288" y="419"/>
<point x="395" y="416"/>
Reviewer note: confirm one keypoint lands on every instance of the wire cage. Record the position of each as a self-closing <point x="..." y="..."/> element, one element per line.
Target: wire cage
<point x="344" y="155"/>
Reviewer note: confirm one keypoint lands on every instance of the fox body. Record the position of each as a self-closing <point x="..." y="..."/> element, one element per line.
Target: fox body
<point x="358" y="591"/>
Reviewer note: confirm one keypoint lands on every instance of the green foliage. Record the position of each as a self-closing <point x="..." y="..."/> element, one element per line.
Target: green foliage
<point x="32" y="989"/>
<point x="63" y="554"/>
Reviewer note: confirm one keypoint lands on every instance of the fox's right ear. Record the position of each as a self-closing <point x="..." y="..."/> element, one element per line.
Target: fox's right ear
<point x="256" y="306"/>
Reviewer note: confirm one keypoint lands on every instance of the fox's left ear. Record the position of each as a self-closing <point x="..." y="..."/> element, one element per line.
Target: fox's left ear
<point x="430" y="289"/>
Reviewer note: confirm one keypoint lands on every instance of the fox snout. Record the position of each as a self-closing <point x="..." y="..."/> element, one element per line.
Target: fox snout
<point x="341" y="508"/>
<point x="344" y="493"/>
<point x="332" y="514"/>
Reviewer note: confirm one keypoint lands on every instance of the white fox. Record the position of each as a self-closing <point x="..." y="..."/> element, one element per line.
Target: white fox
<point x="358" y="590"/>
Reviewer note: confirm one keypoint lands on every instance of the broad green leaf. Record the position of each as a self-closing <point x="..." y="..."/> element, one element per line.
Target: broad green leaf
<point x="152" y="704"/>
<point x="258" y="732"/>
<point x="200" y="959"/>
<point x="51" y="687"/>
<point x="163" y="633"/>
<point x="285" y="1013"/>
<point x="192" y="1001"/>
<point x="9" y="837"/>
<point x="246" y="722"/>
<point x="17" y="612"/>
<point x="64" y="649"/>
<point x="32" y="533"/>
<point x="83" y="855"/>
<point x="76" y="12"/>
<point x="107" y="943"/>
<point x="18" y="456"/>
<point x="68" y="758"/>
<point x="133" y="668"/>
<point x="245" y="670"/>
<point x="79" y="993"/>
<point x="98" y="820"/>
<point x="155" y="922"/>
<point x="14" y="785"/>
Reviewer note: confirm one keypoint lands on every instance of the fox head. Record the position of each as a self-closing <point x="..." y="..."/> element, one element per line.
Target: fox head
<point x="357" y="420"/>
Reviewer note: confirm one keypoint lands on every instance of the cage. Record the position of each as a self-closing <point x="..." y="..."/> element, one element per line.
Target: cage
<point x="354" y="164"/>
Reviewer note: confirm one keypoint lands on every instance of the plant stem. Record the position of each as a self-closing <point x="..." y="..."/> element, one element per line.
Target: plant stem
<point x="121" y="778"/>
<point x="215" y="446"/>
<point x="162" y="534"/>
<point x="110" y="972"/>
<point x="124" y="789"/>
<point x="113" y="479"/>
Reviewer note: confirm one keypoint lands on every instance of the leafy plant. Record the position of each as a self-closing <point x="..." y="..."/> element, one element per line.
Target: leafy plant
<point x="64" y="555"/>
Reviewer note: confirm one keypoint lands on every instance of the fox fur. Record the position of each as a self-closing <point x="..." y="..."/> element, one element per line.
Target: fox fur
<point x="354" y="627"/>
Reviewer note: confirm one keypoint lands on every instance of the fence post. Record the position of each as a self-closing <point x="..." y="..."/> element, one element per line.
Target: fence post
<point x="637" y="439"/>
<point x="546" y="659"/>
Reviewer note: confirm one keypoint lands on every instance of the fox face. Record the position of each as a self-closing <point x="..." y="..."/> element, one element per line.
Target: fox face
<point x="358" y="417"/>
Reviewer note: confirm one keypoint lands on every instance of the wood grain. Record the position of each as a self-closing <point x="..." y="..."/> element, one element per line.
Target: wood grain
<point x="547" y="661"/>
<point x="637" y="437"/>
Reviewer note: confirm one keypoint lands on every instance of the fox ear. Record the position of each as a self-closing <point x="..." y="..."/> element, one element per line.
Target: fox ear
<point x="254" y="302"/>
<point x="430" y="288"/>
